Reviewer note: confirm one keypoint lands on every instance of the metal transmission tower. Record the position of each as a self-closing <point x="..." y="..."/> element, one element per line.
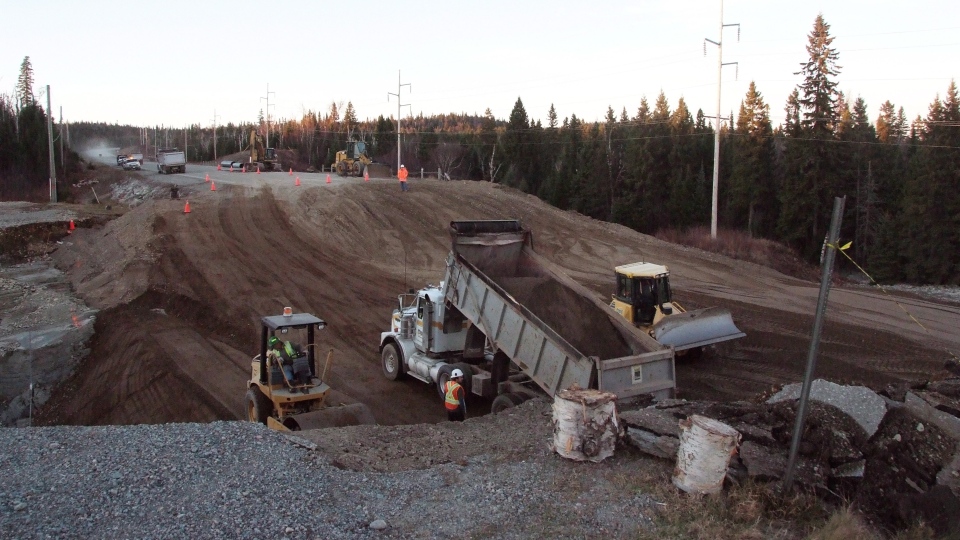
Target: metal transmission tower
<point x="716" y="140"/>
<point x="268" y="113"/>
<point x="399" y="86"/>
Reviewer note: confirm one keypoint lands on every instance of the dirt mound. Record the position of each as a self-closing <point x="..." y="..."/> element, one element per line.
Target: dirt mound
<point x="344" y="252"/>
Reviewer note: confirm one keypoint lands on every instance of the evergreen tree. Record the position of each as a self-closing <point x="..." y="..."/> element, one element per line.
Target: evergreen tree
<point x="813" y="176"/>
<point x="552" y="117"/>
<point x="752" y="200"/>
<point x="25" y="83"/>
<point x="515" y="146"/>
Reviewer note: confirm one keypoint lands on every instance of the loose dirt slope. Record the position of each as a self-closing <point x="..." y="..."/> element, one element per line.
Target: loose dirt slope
<point x="182" y="294"/>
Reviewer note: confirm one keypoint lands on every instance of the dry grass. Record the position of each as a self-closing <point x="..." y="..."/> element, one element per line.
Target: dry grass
<point x="739" y="245"/>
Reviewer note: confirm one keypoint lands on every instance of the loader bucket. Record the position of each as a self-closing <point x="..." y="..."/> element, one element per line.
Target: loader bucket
<point x="378" y="170"/>
<point x="696" y="328"/>
<point x="344" y="415"/>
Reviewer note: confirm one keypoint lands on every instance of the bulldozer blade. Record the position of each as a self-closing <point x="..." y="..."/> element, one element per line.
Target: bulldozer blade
<point x="696" y="328"/>
<point x="344" y="415"/>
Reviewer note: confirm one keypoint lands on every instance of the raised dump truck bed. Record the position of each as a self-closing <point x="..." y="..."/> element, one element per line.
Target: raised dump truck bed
<point x="553" y="329"/>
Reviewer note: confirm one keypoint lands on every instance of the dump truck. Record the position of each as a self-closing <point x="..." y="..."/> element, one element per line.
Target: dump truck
<point x="644" y="297"/>
<point x="261" y="157"/>
<point x="171" y="160"/>
<point x="303" y="399"/>
<point x="517" y="327"/>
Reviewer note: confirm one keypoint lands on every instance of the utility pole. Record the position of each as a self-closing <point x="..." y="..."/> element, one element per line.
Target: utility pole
<point x="399" y="86"/>
<point x="63" y="159"/>
<point x="53" y="165"/>
<point x="268" y="113"/>
<point x="215" y="136"/>
<point x="186" y="152"/>
<point x="716" y="139"/>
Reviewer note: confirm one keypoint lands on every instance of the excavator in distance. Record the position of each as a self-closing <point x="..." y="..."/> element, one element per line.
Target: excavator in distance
<point x="644" y="298"/>
<point x="261" y="157"/>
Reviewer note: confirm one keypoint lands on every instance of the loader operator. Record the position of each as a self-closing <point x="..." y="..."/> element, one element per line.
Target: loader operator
<point x="285" y="353"/>
<point x="454" y="399"/>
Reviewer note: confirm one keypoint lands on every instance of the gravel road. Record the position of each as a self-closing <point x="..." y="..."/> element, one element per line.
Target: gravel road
<point x="241" y="480"/>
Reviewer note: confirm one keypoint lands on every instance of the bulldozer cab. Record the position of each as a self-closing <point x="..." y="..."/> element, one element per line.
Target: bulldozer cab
<point x="642" y="288"/>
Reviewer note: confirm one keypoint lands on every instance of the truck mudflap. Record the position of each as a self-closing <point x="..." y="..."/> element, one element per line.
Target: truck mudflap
<point x="696" y="328"/>
<point x="355" y="414"/>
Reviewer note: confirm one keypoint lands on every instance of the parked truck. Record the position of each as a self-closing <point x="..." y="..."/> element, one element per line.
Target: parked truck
<point x="517" y="327"/>
<point x="171" y="160"/>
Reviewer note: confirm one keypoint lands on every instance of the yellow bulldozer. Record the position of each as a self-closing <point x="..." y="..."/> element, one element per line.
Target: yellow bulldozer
<point x="287" y="392"/>
<point x="643" y="297"/>
<point x="261" y="157"/>
<point x="354" y="161"/>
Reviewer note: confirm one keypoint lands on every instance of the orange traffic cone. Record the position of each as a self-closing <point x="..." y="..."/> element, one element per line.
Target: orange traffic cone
<point x="206" y="178"/>
<point x="244" y="168"/>
<point x="328" y="178"/>
<point x="297" y="183"/>
<point x="231" y="167"/>
<point x="186" y="208"/>
<point x="366" y="176"/>
<point x="291" y="171"/>
<point x="72" y="226"/>
<point x="213" y="186"/>
<point x="258" y="169"/>
<point x="218" y="167"/>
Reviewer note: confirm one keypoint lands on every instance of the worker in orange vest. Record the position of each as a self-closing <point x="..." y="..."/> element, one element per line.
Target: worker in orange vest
<point x="454" y="398"/>
<point x="402" y="175"/>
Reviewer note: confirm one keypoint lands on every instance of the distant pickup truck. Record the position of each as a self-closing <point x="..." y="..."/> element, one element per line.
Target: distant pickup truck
<point x="123" y="158"/>
<point x="171" y="160"/>
<point x="131" y="165"/>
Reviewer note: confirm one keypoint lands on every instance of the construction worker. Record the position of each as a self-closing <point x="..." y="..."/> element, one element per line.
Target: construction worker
<point x="402" y="175"/>
<point x="284" y="353"/>
<point x="454" y="398"/>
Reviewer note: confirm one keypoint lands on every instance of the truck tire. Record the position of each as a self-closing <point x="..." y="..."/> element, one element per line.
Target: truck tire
<point x="505" y="401"/>
<point x="259" y="407"/>
<point x="443" y="375"/>
<point x="391" y="362"/>
<point x="467" y="376"/>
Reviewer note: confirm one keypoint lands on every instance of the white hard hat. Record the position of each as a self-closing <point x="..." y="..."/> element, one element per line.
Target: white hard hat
<point x="456" y="373"/>
<point x="403" y="166"/>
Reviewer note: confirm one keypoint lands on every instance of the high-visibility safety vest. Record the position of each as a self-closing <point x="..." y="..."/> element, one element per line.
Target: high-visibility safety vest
<point x="452" y="395"/>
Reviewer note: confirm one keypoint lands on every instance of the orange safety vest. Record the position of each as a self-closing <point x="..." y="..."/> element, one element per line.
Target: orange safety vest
<point x="453" y="392"/>
<point x="402" y="175"/>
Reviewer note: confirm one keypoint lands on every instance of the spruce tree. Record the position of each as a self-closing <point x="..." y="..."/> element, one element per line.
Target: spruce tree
<point x="751" y="204"/>
<point x="25" y="83"/>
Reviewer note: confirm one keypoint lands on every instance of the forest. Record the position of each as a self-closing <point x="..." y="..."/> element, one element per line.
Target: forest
<point x="649" y="169"/>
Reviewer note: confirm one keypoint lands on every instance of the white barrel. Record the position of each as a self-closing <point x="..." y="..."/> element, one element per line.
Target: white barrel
<point x="585" y="425"/>
<point x="706" y="447"/>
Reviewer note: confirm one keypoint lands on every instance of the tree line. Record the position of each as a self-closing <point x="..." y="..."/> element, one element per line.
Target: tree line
<point x="651" y="168"/>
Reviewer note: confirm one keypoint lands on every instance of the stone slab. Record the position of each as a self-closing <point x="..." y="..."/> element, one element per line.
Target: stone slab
<point x="858" y="402"/>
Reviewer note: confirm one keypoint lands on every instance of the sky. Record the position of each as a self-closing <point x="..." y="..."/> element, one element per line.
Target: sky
<point x="176" y="63"/>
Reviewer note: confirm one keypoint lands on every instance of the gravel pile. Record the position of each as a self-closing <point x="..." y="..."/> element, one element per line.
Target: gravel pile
<point x="14" y="214"/>
<point x="241" y="480"/>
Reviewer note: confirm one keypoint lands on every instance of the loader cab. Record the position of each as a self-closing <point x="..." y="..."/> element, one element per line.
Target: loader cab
<point x="356" y="149"/>
<point x="642" y="288"/>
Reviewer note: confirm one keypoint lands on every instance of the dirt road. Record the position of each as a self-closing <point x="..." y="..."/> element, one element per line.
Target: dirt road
<point x="181" y="296"/>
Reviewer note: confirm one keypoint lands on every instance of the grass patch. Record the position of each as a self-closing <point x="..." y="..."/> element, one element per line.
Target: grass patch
<point x="739" y="245"/>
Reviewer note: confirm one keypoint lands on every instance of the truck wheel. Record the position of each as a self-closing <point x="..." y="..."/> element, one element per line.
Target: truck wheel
<point x="391" y="362"/>
<point x="505" y="401"/>
<point x="467" y="376"/>
<point x="443" y="375"/>
<point x="259" y="407"/>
